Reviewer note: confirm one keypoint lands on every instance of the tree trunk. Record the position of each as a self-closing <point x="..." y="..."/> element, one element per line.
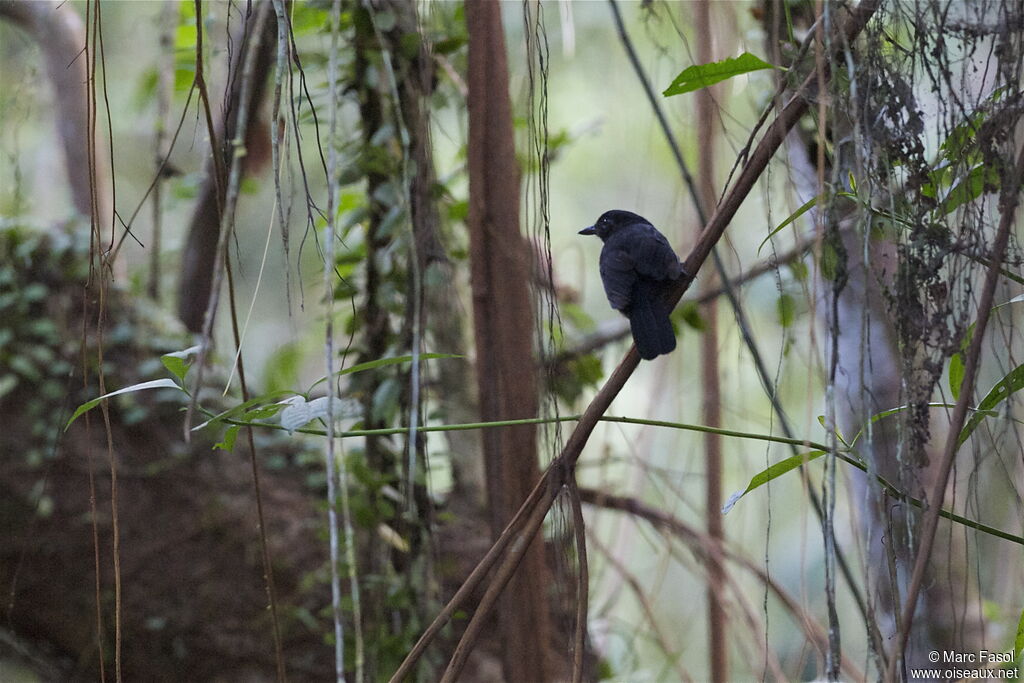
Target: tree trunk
<point x="61" y="35"/>
<point x="200" y="250"/>
<point x="503" y="327"/>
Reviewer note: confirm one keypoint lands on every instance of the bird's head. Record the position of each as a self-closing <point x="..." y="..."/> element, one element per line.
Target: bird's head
<point x="610" y="221"/>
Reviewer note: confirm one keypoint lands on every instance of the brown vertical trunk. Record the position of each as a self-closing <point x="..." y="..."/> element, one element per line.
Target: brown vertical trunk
<point x="503" y="329"/>
<point x="200" y="250"/>
<point x="712" y="403"/>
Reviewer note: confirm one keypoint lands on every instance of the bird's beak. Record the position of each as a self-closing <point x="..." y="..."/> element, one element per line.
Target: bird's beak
<point x="588" y="231"/>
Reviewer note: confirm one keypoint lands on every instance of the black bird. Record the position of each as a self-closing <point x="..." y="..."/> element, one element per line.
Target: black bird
<point x="638" y="268"/>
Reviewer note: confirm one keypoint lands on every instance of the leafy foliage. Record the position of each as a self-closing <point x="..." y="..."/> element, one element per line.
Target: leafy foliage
<point x="42" y="279"/>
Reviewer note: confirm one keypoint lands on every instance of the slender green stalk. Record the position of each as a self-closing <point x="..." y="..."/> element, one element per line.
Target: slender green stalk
<point x="848" y="457"/>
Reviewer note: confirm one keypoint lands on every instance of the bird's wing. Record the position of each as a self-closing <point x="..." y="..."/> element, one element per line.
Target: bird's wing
<point x="652" y="253"/>
<point x="618" y="273"/>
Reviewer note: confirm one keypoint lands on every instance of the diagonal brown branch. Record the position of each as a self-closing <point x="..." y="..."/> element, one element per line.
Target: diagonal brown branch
<point x="535" y="507"/>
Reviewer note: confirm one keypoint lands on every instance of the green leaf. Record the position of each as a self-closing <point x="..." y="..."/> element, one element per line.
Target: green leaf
<point x="980" y="179"/>
<point x="228" y="442"/>
<point x="385" y="400"/>
<point x="185" y="38"/>
<point x="1010" y="384"/>
<point x="956" y="364"/>
<point x="1018" y="643"/>
<point x="829" y="262"/>
<point x="799" y="270"/>
<point x="801" y="211"/>
<point x="773" y="472"/>
<point x="449" y="45"/>
<point x="282" y="368"/>
<point x="458" y="211"/>
<point x="792" y="217"/>
<point x="578" y="317"/>
<point x="702" y="75"/>
<point x="154" y="384"/>
<point x="785" y="309"/>
<point x="241" y="408"/>
<point x="179" y="362"/>
<point x="262" y="412"/>
<point x="689" y="312"/>
<point x="886" y="413"/>
<point x="962" y="139"/>
<point x="569" y="381"/>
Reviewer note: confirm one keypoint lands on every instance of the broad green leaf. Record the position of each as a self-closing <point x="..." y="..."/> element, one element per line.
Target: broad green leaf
<point x="688" y="312"/>
<point x="282" y="368"/>
<point x="576" y="315"/>
<point x="179" y="362"/>
<point x="154" y="384"/>
<point x="785" y="309"/>
<point x="261" y="412"/>
<point x="773" y="472"/>
<point x="829" y="262"/>
<point x="956" y="364"/>
<point x="980" y="178"/>
<point x="1010" y="384"/>
<point x="228" y="442"/>
<point x="702" y="75"/>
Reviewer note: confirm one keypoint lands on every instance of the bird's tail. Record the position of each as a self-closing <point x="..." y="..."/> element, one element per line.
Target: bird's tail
<point x="649" y="321"/>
